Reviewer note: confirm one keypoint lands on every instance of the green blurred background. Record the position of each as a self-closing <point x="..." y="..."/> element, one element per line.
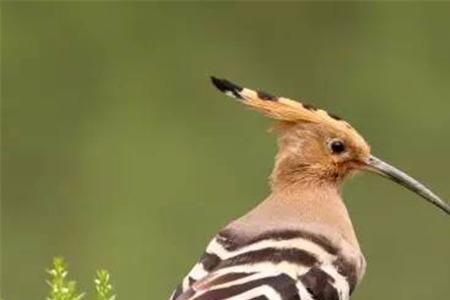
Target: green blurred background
<point x="118" y="153"/>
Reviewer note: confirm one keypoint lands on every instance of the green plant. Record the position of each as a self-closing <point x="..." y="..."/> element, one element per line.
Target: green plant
<point x="103" y="286"/>
<point x="61" y="288"/>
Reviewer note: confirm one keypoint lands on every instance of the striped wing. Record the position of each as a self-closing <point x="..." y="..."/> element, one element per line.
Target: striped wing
<point x="284" y="265"/>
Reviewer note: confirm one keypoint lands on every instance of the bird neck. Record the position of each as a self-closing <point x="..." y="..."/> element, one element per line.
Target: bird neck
<point x="302" y="206"/>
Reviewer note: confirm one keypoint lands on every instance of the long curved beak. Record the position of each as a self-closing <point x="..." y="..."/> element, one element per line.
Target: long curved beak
<point x="384" y="169"/>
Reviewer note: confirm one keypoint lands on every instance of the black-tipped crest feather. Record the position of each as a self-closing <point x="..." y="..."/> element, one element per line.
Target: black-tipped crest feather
<point x="227" y="87"/>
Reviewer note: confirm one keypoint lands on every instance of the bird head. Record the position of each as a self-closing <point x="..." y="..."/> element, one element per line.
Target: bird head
<point x="316" y="147"/>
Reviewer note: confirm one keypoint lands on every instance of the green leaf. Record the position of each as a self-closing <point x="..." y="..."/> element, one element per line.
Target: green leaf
<point x="103" y="286"/>
<point x="60" y="287"/>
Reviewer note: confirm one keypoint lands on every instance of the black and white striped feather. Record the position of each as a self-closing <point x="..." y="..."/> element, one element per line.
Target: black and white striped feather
<point x="283" y="265"/>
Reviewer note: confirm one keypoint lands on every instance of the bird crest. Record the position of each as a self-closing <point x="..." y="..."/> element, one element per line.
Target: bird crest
<point x="287" y="110"/>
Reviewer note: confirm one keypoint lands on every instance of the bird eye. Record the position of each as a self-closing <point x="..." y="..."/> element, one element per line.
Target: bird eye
<point x="337" y="146"/>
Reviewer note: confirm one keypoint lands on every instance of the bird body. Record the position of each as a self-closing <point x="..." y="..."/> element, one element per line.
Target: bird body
<point x="298" y="243"/>
<point x="278" y="246"/>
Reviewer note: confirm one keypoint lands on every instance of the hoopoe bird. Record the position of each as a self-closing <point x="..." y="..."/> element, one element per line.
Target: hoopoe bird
<point x="299" y="243"/>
